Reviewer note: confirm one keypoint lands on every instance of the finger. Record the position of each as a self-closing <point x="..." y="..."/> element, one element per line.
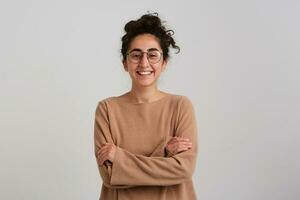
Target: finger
<point x="98" y="152"/>
<point x="181" y="139"/>
<point x="185" y="143"/>
<point x="182" y="149"/>
<point x="175" y="149"/>
<point x="178" y="144"/>
<point x="102" y="159"/>
<point x="181" y="145"/>
<point x="104" y="153"/>
<point x="101" y="150"/>
<point x="101" y="155"/>
<point x="105" y="147"/>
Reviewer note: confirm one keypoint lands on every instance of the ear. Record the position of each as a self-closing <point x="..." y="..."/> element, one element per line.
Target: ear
<point x="125" y="65"/>
<point x="164" y="65"/>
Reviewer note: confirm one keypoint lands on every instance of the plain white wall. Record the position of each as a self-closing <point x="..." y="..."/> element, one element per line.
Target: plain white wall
<point x="239" y="65"/>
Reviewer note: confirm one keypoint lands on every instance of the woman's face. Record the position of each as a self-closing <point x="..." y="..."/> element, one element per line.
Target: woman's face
<point x="144" y="43"/>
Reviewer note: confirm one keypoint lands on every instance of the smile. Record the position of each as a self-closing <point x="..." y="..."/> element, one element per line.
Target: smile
<point x="144" y="73"/>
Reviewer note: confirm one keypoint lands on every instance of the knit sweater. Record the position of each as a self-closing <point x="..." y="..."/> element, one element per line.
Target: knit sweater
<point x="141" y="169"/>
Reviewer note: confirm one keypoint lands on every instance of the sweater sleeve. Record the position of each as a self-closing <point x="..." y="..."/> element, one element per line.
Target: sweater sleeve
<point x="102" y="134"/>
<point x="132" y="169"/>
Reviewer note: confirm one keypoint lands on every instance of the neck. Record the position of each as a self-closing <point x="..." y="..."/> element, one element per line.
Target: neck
<point x="145" y="94"/>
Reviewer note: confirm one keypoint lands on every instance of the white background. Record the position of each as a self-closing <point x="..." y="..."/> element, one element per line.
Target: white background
<point x="239" y="64"/>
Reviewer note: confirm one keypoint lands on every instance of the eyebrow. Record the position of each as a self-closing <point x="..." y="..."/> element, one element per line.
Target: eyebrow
<point x="136" y="49"/>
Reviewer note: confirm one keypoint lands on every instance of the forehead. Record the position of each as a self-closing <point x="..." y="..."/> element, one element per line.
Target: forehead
<point x="145" y="42"/>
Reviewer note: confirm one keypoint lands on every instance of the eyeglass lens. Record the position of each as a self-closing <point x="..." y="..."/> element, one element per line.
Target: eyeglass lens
<point x="153" y="56"/>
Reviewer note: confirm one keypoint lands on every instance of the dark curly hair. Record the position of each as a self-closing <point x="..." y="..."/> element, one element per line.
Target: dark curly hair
<point x="152" y="24"/>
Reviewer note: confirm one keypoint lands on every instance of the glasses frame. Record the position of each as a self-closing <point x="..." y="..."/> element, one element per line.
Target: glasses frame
<point x="147" y="52"/>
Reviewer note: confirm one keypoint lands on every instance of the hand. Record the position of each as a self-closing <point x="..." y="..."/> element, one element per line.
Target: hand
<point x="106" y="152"/>
<point x="177" y="145"/>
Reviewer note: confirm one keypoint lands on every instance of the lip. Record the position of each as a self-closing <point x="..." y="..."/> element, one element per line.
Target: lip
<point x="143" y="71"/>
<point x="151" y="72"/>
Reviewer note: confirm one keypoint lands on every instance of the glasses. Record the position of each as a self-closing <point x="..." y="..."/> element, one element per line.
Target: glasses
<point x="153" y="56"/>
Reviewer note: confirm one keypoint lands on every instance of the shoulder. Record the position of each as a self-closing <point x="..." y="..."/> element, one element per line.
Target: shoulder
<point x="184" y="105"/>
<point x="177" y="97"/>
<point x="103" y="103"/>
<point x="181" y="103"/>
<point x="105" y="100"/>
<point x="183" y="100"/>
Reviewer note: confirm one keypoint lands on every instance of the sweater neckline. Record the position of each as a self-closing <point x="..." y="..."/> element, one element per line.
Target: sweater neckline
<point x="146" y="103"/>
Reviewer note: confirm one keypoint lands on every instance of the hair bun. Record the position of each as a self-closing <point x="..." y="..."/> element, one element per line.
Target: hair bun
<point x="146" y="22"/>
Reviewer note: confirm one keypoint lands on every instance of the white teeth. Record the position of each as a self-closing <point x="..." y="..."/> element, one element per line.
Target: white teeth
<point x="144" y="73"/>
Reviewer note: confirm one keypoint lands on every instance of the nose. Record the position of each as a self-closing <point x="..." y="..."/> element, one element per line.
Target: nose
<point x="144" y="60"/>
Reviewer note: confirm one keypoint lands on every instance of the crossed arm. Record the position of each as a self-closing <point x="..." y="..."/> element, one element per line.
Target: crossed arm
<point x="174" y="146"/>
<point x="120" y="168"/>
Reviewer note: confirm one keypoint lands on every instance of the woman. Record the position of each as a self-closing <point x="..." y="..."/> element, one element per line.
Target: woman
<point x="146" y="139"/>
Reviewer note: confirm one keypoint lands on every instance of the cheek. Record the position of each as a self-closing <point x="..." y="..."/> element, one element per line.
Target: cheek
<point x="129" y="67"/>
<point x="158" y="69"/>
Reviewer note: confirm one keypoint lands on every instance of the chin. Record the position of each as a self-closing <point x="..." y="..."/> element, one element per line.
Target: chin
<point x="145" y="84"/>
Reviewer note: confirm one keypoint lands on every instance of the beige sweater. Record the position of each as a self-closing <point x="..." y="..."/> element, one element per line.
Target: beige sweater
<point x="141" y="169"/>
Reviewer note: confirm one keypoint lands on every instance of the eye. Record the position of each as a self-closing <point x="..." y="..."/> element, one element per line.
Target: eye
<point x="153" y="54"/>
<point x="135" y="54"/>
